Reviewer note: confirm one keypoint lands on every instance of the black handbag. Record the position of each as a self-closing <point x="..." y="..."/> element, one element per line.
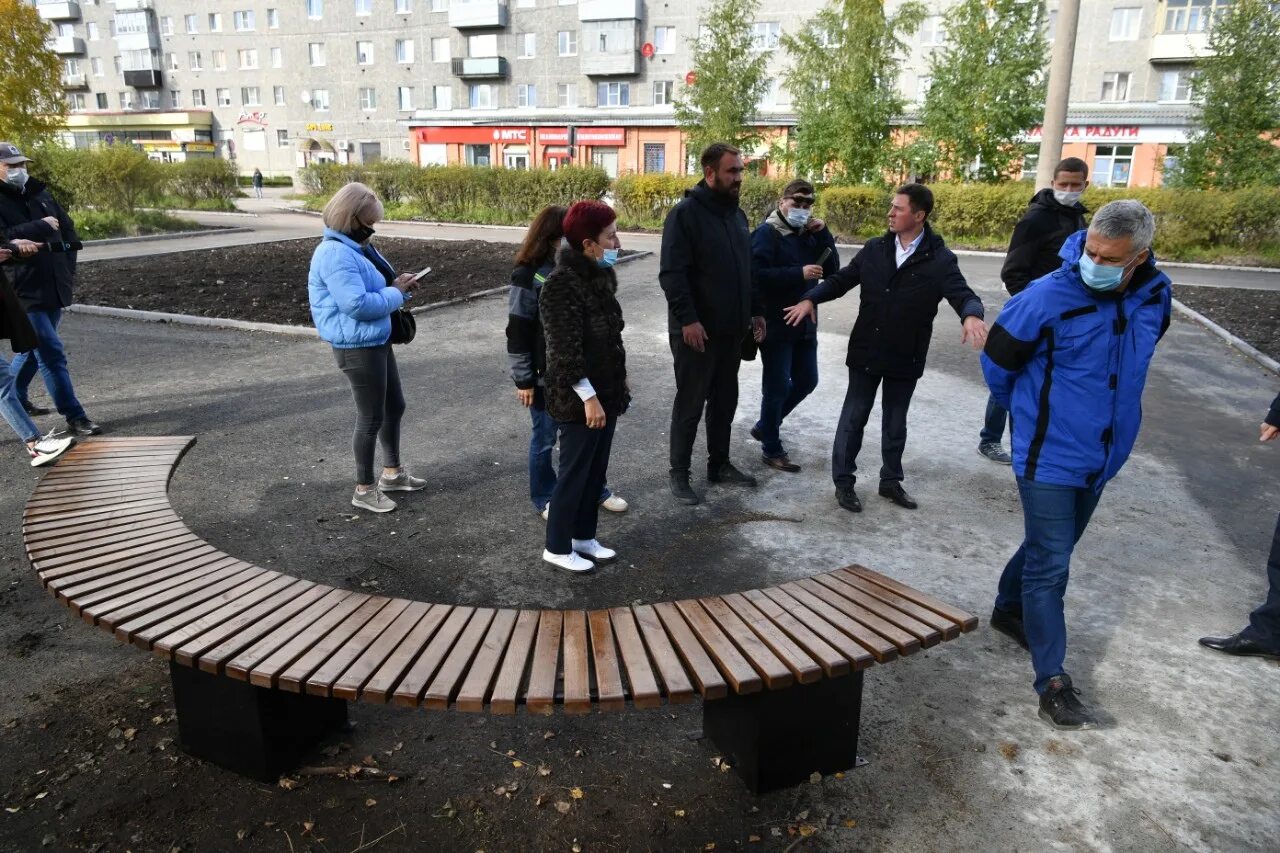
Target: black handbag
<point x="403" y="326"/>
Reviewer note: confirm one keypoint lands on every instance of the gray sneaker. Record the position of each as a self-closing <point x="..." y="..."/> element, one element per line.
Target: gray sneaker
<point x="402" y="482"/>
<point x="995" y="451"/>
<point x="373" y="500"/>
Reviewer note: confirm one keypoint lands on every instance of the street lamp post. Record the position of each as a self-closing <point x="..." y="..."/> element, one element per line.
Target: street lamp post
<point x="1055" y="105"/>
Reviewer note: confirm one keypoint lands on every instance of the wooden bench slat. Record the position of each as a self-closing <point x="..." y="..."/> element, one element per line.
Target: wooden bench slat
<point x="187" y="594"/>
<point x="174" y="614"/>
<point x="881" y="648"/>
<point x="102" y="442"/>
<point x="34" y="519"/>
<point x="164" y="638"/>
<point x="635" y="660"/>
<point x="52" y="495"/>
<point x="966" y="621"/>
<point x="448" y="678"/>
<point x="187" y="645"/>
<point x="926" y="634"/>
<point x="94" y="516"/>
<point x="320" y="682"/>
<point x="84" y="478"/>
<point x="676" y="635"/>
<point x="577" y="663"/>
<point x="604" y="660"/>
<point x="740" y="672"/>
<point x="510" y="680"/>
<point x="123" y="542"/>
<point x="362" y="669"/>
<point x="949" y="630"/>
<point x="266" y="669"/>
<point x="749" y="628"/>
<point x="88" y="451"/>
<point x="391" y="671"/>
<point x="854" y="652"/>
<point x="293" y="677"/>
<point x="114" y="463"/>
<point x="475" y="689"/>
<point x="140" y="582"/>
<point x="905" y="642"/>
<point x="55" y="537"/>
<point x="80" y="589"/>
<point x="755" y="604"/>
<point x="423" y="669"/>
<point x="540" y="695"/>
<point x="97" y="540"/>
<point x="36" y="508"/>
<point x="213" y="659"/>
<point x="64" y="574"/>
<point x="91" y="557"/>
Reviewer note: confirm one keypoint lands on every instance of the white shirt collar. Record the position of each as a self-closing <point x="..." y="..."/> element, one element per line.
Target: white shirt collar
<point x="902" y="254"/>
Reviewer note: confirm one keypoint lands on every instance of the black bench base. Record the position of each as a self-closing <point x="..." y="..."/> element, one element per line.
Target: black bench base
<point x="246" y="729"/>
<point x="778" y="738"/>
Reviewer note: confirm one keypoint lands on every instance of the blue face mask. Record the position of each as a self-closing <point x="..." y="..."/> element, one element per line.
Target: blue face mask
<point x="1101" y="278"/>
<point x="610" y="258"/>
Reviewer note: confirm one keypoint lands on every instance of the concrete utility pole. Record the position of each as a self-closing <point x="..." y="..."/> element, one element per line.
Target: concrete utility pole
<point x="1055" y="104"/>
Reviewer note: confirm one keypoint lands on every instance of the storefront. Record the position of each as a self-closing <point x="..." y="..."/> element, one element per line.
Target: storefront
<point x="164" y="133"/>
<point x="172" y="151"/>
<point x="1119" y="155"/>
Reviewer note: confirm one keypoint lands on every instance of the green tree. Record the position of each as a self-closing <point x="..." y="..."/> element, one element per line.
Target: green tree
<point x="1233" y="143"/>
<point x="730" y="77"/>
<point x="31" y="104"/>
<point x="988" y="87"/>
<point x="844" y="88"/>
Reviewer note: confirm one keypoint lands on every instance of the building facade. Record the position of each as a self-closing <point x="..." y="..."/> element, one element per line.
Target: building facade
<point x="278" y="84"/>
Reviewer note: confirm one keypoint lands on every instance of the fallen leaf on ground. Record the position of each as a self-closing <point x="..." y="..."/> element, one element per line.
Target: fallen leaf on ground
<point x="548" y="735"/>
<point x="517" y="764"/>
<point x="576" y="793"/>
<point x="679" y="812"/>
<point x="307" y="826"/>
<point x="815" y="778"/>
<point x="804" y="815"/>
<point x="753" y="839"/>
<point x="850" y="824"/>
<point x="371" y="802"/>
<point x="288" y="783"/>
<point x="562" y="807"/>
<point x="576" y="848"/>
<point x="806" y="830"/>
<point x="544" y="771"/>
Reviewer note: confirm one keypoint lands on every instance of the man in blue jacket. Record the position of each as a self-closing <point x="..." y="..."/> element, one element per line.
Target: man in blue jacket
<point x="1068" y="358"/>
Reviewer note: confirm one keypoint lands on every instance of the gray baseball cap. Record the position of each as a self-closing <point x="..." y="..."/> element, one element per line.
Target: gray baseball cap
<point x="10" y="155"/>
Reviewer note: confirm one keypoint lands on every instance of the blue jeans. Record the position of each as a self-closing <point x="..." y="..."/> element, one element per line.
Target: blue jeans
<point x="790" y="373"/>
<point x="542" y="474"/>
<point x="993" y="424"/>
<point x="11" y="406"/>
<point x="1035" y="579"/>
<point x="51" y="360"/>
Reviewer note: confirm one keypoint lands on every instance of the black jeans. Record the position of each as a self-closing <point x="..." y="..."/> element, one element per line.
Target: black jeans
<point x="1264" y="623"/>
<point x="704" y="379"/>
<point x="375" y="385"/>
<point x="584" y="468"/>
<point x="858" y="401"/>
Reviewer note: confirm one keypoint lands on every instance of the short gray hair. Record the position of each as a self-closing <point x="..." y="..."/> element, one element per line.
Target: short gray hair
<point x="352" y="206"/>
<point x="1126" y="217"/>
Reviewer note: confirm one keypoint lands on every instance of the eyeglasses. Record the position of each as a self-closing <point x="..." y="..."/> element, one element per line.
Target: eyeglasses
<point x="802" y="203"/>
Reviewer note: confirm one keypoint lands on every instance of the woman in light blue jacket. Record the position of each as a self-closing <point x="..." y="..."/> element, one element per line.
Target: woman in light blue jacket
<point x="353" y="293"/>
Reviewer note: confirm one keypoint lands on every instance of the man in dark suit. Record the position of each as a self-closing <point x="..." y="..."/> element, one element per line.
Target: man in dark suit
<point x="904" y="275"/>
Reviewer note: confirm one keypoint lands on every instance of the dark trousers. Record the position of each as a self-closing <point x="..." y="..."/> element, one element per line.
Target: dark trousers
<point x="584" y="467"/>
<point x="375" y="386"/>
<point x="709" y="380"/>
<point x="789" y="374"/>
<point x="858" y="401"/>
<point x="1264" y="623"/>
<point x="993" y="423"/>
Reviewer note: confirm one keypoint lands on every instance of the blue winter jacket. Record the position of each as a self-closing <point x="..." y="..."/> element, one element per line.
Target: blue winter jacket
<point x="351" y="300"/>
<point x="1070" y="365"/>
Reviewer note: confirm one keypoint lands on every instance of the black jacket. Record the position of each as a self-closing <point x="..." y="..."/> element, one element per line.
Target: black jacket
<point x="1273" y="416"/>
<point x="895" y="316"/>
<point x="779" y="253"/>
<point x="582" y="321"/>
<point x="43" y="282"/>
<point x="14" y="326"/>
<point x="526" y="346"/>
<point x="705" y="269"/>
<point x="1039" y="234"/>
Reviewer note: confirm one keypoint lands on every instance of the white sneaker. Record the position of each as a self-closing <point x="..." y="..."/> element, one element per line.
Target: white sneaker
<point x="546" y="511"/>
<point x="373" y="500"/>
<point x="401" y="482"/>
<point x="613" y="503"/>
<point x="593" y="549"/>
<point x="48" y="448"/>
<point x="570" y="561"/>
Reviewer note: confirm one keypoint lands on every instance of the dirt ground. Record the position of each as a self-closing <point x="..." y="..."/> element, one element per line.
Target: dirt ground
<point x="1253" y="315"/>
<point x="267" y="282"/>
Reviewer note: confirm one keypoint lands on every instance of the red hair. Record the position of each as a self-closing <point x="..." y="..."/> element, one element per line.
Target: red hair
<point x="585" y="220"/>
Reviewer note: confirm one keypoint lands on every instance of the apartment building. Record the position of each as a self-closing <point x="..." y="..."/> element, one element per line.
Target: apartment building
<point x="278" y="84"/>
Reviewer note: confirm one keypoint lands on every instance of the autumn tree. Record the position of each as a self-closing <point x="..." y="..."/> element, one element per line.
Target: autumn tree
<point x="31" y="101"/>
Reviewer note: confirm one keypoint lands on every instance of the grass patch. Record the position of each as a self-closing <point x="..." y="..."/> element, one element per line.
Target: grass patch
<point x="105" y="224"/>
<point x="172" y="202"/>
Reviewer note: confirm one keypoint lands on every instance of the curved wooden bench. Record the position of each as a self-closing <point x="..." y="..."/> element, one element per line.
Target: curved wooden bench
<point x="264" y="662"/>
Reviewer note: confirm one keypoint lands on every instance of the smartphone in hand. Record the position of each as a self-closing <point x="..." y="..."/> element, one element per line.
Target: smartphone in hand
<point x="421" y="274"/>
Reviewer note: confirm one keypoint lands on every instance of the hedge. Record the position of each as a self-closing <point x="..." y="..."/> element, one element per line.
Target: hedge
<point x="122" y="178"/>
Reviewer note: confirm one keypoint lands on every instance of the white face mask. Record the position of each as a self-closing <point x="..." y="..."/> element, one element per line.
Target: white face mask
<point x="17" y="176"/>
<point x="798" y="217"/>
<point x="1066" y="198"/>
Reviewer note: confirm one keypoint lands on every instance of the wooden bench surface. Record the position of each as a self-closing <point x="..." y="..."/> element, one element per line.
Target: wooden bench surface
<point x="103" y="538"/>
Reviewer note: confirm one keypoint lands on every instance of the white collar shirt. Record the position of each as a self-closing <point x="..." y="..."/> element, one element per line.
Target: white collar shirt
<point x="902" y="254"/>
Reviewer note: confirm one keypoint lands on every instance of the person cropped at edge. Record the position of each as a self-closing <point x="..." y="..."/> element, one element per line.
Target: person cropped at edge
<point x="44" y="284"/>
<point x="1068" y="358"/>
<point x="527" y="353"/>
<point x="353" y="292"/>
<point x="712" y="305"/>
<point x="585" y="381"/>
<point x="1054" y="214"/>
<point x="786" y="259"/>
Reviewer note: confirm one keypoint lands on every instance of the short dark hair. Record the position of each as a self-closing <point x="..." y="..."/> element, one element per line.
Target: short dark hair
<point x="798" y="186"/>
<point x="1071" y="164"/>
<point x="920" y="197"/>
<point x="714" y="153"/>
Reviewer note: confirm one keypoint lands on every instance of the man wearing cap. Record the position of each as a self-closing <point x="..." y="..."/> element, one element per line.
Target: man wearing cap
<point x="43" y="283"/>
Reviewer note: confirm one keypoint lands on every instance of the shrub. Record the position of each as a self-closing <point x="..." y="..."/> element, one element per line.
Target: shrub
<point x="104" y="224"/>
<point x="202" y="179"/>
<point x="854" y="211"/>
<point x="642" y="201"/>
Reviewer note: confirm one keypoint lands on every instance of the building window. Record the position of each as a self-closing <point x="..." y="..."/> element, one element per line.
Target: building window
<point x="171" y="61"/>
<point x="528" y="45"/>
<point x="219" y="60"/>
<point x="149" y="99"/>
<point x="277" y="95"/>
<point x="175" y="99"/>
<point x="166" y="26"/>
<point x="277" y="57"/>
<point x="405" y="96"/>
<point x="315" y="9"/>
<point x="250" y="96"/>
<point x="195" y="61"/>
<point x="1176" y="85"/>
<point x="479" y="46"/>
<point x="923" y="84"/>
<point x="215" y="22"/>
<point x="1115" y="86"/>
<point x="663" y="90"/>
<point x="364" y="53"/>
<point x="526" y="95"/>
<point x="1193" y="16"/>
<point x="75" y="102"/>
<point x="404" y="7"/>
<point x="478" y="155"/>
<point x="439" y="5"/>
<point x="482" y="96"/>
<point x="273" y="19"/>
<point x="197" y="98"/>
<point x="1125" y="22"/>
<point x="189" y="24"/>
<point x="119" y="66"/>
<point x="248" y="58"/>
<point x="282" y="139"/>
<point x="242" y="21"/>
<point x="315" y="52"/>
<point x="404" y="50"/>
<point x="93" y="31"/>
<point x="567" y="42"/>
<point x="613" y="95"/>
<point x="442" y="97"/>
<point x="664" y="39"/>
<point x="102" y="100"/>
<point x="126" y="100"/>
<point x="933" y="31"/>
<point x="655" y="157"/>
<point x="1112" y="164"/>
<point x="368" y="99"/>
<point x="364" y="7"/>
<point x="566" y="94"/>
<point x="320" y="99"/>
<point x="96" y="65"/>
<point x="765" y="35"/>
<point x="440" y="50"/>
<point x="224" y="97"/>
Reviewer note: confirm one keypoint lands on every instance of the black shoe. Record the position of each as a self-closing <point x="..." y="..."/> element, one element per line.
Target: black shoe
<point x="728" y="475"/>
<point x="1060" y="706"/>
<point x="897" y="494"/>
<point x="33" y="410"/>
<point x="755" y="433"/>
<point x="1009" y="624"/>
<point x="1237" y="645"/>
<point x="781" y="463"/>
<point x="848" y="498"/>
<point x="682" y="491"/>
<point x="83" y="426"/>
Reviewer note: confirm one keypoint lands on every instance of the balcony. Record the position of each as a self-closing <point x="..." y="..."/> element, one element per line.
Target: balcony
<point x="149" y="40"/>
<point x="610" y="64"/>
<point x="149" y="79"/>
<point x="68" y="45"/>
<point x="59" y="11"/>
<point x="477" y="14"/>
<point x="75" y="81"/>
<point x="610" y="10"/>
<point x="480" y="67"/>
<point x="1179" y="47"/>
<point x="609" y="48"/>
